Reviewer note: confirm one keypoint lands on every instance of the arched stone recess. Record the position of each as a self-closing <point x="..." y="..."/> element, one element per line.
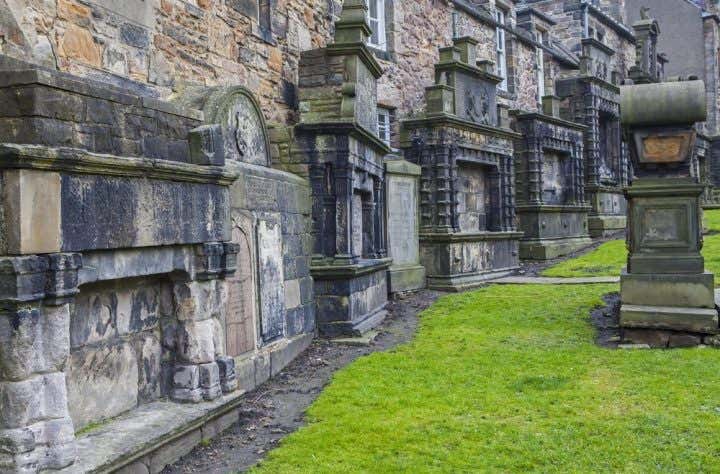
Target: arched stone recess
<point x="241" y="314"/>
<point x="237" y="111"/>
<point x="269" y="313"/>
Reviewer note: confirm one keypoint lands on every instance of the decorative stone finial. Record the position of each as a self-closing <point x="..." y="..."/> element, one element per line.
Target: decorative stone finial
<point x="645" y="70"/>
<point x="468" y="49"/>
<point x="352" y="27"/>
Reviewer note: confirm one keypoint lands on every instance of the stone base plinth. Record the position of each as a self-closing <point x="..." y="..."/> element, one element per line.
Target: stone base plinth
<point x="459" y="261"/>
<point x="683" y="290"/>
<point x="677" y="302"/>
<point x="605" y="225"/>
<point x="696" y="320"/>
<point x="406" y="278"/>
<point x="350" y="299"/>
<point x="546" y="249"/>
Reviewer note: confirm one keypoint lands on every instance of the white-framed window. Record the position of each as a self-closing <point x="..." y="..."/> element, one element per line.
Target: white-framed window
<point x="500" y="48"/>
<point x="384" y="127"/>
<point x="541" y="73"/>
<point x="376" y="18"/>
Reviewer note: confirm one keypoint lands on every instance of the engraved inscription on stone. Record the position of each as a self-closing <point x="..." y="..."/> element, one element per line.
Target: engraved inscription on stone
<point x="243" y="132"/>
<point x="240" y="317"/>
<point x="663" y="149"/>
<point x="270" y="278"/>
<point x="402" y="221"/>
<point x="366" y="99"/>
<point x="661" y="225"/>
<point x="473" y="198"/>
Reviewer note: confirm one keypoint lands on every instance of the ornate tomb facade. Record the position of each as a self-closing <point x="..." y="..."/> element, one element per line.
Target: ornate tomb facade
<point x="270" y="312"/>
<point x="467" y="192"/>
<point x="337" y="138"/>
<point x="550" y="195"/>
<point x="592" y="99"/>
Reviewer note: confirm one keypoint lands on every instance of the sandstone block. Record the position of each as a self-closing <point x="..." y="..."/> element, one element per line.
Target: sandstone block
<point x="32" y="211"/>
<point x="78" y="44"/>
<point x="195" y="342"/>
<point x="186" y="376"/>
<point x="95" y="372"/>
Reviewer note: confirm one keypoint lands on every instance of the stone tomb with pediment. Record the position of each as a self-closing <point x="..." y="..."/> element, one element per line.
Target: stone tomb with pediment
<point x="551" y="207"/>
<point x="270" y="306"/>
<point x="337" y="139"/>
<point x="467" y="184"/>
<point x="592" y="98"/>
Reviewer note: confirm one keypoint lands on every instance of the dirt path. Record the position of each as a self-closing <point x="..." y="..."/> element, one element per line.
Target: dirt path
<point x="276" y="408"/>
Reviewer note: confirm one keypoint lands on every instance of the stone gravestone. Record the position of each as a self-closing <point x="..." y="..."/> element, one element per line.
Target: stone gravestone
<point x="272" y="282"/>
<point x="238" y="113"/>
<point x="403" y="224"/>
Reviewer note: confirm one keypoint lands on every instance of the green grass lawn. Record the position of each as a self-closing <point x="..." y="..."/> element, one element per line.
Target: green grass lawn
<point x="611" y="257"/>
<point x="508" y="379"/>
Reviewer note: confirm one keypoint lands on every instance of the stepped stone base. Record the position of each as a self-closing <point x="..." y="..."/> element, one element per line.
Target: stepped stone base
<point x="406" y="278"/>
<point x="547" y="249"/>
<point x="605" y="225"/>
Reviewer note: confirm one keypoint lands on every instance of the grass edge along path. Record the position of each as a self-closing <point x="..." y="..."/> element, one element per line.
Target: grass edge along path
<point x="508" y="378"/>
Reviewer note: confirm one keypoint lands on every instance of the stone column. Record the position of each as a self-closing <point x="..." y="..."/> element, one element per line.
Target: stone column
<point x="36" y="432"/>
<point x="202" y="372"/>
<point x="344" y="252"/>
<point x="378" y="215"/>
<point x="317" y="183"/>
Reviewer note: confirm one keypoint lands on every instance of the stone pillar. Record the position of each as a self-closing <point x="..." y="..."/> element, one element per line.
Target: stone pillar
<point x="36" y="432"/>
<point x="344" y="251"/>
<point x="665" y="286"/>
<point x="202" y="372"/>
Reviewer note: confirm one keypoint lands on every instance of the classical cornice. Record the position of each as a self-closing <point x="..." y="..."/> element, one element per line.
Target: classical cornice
<point x="73" y="160"/>
<point x="522" y="115"/>
<point x="457" y="122"/>
<point x="349" y="127"/>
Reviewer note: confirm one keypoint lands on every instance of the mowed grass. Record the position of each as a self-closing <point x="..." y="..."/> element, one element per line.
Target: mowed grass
<point x="508" y="379"/>
<point x="610" y="258"/>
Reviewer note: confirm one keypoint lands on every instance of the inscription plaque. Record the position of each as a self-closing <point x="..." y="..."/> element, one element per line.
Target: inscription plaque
<point x="270" y="277"/>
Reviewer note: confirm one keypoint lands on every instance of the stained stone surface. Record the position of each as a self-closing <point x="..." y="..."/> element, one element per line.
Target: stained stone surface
<point x="402" y="217"/>
<point x="236" y="111"/>
<point x="270" y="272"/>
<point x="95" y="373"/>
<point x="105" y="212"/>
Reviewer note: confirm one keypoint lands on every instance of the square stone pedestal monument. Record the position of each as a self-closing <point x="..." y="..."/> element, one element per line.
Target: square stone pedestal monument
<point x="338" y="141"/>
<point x="403" y="225"/>
<point x="665" y="286"/>
<point x="550" y="195"/>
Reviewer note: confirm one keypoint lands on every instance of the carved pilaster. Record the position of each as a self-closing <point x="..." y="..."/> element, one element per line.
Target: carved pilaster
<point x="36" y="432"/>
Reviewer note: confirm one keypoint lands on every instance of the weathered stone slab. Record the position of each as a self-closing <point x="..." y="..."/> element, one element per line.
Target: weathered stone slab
<point x="31" y="210"/>
<point x="103" y="212"/>
<point x="272" y="284"/>
<point x="93" y="373"/>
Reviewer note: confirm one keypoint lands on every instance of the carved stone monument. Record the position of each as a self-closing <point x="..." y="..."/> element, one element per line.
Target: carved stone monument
<point x="403" y="225"/>
<point x="337" y="139"/>
<point x="665" y="286"/>
<point x="550" y="195"/>
<point x="467" y="193"/>
<point x="592" y="98"/>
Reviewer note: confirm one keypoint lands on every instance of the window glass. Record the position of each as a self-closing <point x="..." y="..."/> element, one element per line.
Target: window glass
<point x="500" y="48"/>
<point x="376" y="19"/>
<point x="384" y="129"/>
